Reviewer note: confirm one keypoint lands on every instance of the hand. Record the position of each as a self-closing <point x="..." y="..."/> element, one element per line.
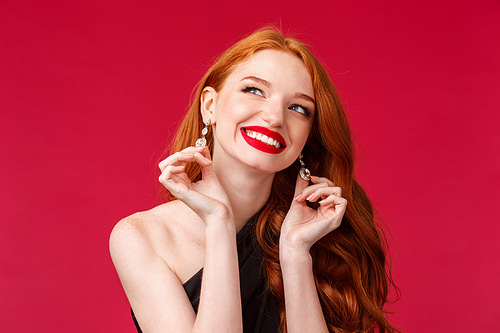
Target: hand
<point x="304" y="226"/>
<point x="206" y="197"/>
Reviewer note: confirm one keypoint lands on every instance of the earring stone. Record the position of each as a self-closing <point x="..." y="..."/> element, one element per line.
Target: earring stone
<point x="304" y="172"/>
<point x="202" y="142"/>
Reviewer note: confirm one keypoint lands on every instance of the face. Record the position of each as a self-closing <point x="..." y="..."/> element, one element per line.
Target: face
<point x="263" y="114"/>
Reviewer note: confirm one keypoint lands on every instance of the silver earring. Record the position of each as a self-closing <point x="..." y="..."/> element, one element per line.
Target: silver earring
<point x="202" y="142"/>
<point x="304" y="172"/>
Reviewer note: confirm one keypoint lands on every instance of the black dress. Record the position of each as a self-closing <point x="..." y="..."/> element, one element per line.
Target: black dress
<point x="260" y="309"/>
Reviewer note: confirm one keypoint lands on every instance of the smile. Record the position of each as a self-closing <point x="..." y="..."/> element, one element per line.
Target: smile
<point x="264" y="139"/>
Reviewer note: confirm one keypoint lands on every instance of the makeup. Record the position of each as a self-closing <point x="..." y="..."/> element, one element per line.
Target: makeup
<point x="264" y="139"/>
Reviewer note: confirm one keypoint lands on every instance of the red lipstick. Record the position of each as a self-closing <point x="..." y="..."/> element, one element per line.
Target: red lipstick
<point x="257" y="144"/>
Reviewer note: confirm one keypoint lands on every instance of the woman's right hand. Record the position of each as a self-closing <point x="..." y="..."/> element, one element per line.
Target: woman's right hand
<point x="206" y="197"/>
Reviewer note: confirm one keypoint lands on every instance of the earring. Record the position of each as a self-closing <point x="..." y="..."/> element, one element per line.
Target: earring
<point x="202" y="142"/>
<point x="304" y="172"/>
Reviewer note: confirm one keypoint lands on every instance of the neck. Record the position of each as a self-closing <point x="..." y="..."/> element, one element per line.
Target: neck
<point x="248" y="189"/>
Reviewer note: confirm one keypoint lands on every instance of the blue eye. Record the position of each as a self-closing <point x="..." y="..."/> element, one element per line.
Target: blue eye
<point x="253" y="90"/>
<point x="301" y="109"/>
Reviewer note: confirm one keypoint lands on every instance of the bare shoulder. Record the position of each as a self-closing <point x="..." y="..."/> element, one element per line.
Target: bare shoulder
<point x="169" y="233"/>
<point x="143" y="247"/>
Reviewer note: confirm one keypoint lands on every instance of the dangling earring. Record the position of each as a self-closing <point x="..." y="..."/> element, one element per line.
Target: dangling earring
<point x="304" y="172"/>
<point x="202" y="142"/>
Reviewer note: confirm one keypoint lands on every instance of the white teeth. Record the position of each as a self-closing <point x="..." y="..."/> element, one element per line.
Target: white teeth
<point x="263" y="138"/>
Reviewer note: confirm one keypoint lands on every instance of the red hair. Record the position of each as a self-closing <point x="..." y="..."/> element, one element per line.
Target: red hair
<point x="349" y="264"/>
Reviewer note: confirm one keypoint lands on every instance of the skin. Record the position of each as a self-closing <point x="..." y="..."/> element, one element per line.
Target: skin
<point x="156" y="251"/>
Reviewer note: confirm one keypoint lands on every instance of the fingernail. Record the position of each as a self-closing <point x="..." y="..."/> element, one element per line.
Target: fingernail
<point x="297" y="197"/>
<point x="309" y="197"/>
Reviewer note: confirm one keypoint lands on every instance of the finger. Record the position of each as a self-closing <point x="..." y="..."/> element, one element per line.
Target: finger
<point x="323" y="193"/>
<point x="202" y="160"/>
<point x="320" y="180"/>
<point x="207" y="169"/>
<point x="308" y="191"/>
<point x="169" y="172"/>
<point x="334" y="212"/>
<point x="336" y="202"/>
<point x="300" y="185"/>
<point x="192" y="150"/>
<point x="313" y="193"/>
<point x="175" y="159"/>
<point x="185" y="155"/>
<point x="205" y="152"/>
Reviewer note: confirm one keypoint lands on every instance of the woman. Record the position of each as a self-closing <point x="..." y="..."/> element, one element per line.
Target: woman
<point x="252" y="243"/>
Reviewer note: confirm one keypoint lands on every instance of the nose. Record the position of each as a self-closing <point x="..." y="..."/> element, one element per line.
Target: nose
<point x="274" y="114"/>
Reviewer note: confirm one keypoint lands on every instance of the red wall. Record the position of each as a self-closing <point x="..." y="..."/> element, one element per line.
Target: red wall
<point x="90" y="92"/>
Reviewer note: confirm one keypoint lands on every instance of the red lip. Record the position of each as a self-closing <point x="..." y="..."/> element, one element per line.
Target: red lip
<point x="266" y="131"/>
<point x="257" y="144"/>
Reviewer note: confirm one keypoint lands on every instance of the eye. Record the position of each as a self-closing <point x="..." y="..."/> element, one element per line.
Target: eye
<point x="301" y="109"/>
<point x="253" y="90"/>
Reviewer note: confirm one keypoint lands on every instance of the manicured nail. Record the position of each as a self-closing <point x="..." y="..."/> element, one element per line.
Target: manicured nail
<point x="309" y="197"/>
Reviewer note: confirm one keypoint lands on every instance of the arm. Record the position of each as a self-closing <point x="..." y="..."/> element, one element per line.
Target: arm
<point x="154" y="291"/>
<point x="303" y="308"/>
<point x="220" y="301"/>
<point x="302" y="228"/>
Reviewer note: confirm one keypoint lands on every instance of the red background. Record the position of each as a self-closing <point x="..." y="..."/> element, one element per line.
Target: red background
<point x="91" y="91"/>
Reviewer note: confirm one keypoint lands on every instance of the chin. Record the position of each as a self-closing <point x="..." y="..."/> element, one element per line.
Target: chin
<point x="264" y="164"/>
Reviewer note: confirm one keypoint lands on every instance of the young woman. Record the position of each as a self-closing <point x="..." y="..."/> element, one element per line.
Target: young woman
<point x="249" y="241"/>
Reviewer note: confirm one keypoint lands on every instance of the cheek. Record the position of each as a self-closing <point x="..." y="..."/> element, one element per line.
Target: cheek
<point x="229" y="116"/>
<point x="235" y="110"/>
<point x="301" y="133"/>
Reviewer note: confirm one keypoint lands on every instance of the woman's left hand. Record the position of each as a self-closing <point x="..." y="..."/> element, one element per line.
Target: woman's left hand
<point x="304" y="226"/>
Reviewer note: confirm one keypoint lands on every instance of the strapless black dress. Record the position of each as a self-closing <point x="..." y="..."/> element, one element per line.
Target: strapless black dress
<point x="260" y="309"/>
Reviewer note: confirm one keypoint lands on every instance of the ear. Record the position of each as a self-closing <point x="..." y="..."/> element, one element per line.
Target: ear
<point x="208" y="101"/>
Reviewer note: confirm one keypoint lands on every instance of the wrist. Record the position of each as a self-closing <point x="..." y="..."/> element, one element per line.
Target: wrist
<point x="220" y="226"/>
<point x="220" y="217"/>
<point x="291" y="243"/>
<point x="293" y="254"/>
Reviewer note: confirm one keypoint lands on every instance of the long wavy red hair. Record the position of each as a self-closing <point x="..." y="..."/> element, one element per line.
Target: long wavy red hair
<point x="349" y="263"/>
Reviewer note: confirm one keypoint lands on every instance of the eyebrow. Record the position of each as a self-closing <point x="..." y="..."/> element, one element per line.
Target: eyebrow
<point x="268" y="84"/>
<point x="257" y="79"/>
<point x="306" y="97"/>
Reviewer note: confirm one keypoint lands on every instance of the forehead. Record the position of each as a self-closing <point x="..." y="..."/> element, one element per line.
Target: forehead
<point x="281" y="69"/>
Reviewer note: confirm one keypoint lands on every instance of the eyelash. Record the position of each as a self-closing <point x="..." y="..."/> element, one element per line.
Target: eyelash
<point x="306" y="112"/>
<point x="250" y="88"/>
